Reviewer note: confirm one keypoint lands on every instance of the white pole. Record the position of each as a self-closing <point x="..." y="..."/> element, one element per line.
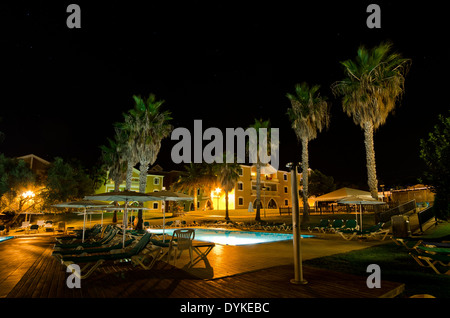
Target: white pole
<point x="125" y="219"/>
<point x="84" y="223"/>
<point x="164" y="220"/>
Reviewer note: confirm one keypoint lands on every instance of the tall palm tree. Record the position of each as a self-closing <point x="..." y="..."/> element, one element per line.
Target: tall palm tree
<point x="373" y="83"/>
<point x="228" y="175"/>
<point x="309" y="114"/>
<point x="196" y="176"/>
<point x="114" y="157"/>
<point x="148" y="125"/>
<point x="258" y="124"/>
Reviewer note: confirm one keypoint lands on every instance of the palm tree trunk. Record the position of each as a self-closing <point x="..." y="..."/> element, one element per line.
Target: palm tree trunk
<point x="116" y="189"/>
<point x="370" y="157"/>
<point x="305" y="166"/>
<point x="195" y="199"/>
<point x="227" y="217"/>
<point x="129" y="176"/>
<point x="258" y="192"/>
<point x="143" y="168"/>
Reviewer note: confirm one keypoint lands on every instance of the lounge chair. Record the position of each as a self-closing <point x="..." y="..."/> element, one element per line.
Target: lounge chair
<point x="336" y="225"/>
<point x="323" y="225"/>
<point x="93" y="261"/>
<point x="91" y="243"/>
<point x="371" y="232"/>
<point x="33" y="227"/>
<point x="181" y="240"/>
<point x="48" y="226"/>
<point x="24" y="226"/>
<point x="432" y="256"/>
<point x="59" y="253"/>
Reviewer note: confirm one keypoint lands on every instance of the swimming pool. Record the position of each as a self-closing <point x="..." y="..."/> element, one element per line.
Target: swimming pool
<point x="4" y="238"/>
<point x="230" y="237"/>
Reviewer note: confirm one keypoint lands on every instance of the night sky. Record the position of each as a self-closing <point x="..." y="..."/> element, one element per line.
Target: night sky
<point x="220" y="61"/>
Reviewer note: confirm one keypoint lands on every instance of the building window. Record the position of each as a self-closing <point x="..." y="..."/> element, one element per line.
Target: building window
<point x="286" y="202"/>
<point x="240" y="171"/>
<point x="240" y="186"/>
<point x="285" y="177"/>
<point x="155" y="205"/>
<point x="240" y="201"/>
<point x="156" y="181"/>
<point x="285" y="189"/>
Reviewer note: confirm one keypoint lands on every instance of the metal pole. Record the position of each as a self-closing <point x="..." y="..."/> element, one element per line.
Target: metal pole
<point x="298" y="270"/>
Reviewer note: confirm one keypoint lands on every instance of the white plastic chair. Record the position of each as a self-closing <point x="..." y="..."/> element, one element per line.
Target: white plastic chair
<point x="181" y="240"/>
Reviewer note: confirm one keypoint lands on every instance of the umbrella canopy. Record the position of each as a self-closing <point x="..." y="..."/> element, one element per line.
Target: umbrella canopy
<point x="82" y="204"/>
<point x="125" y="196"/>
<point x="343" y="193"/>
<point x="361" y="200"/>
<point x="170" y="196"/>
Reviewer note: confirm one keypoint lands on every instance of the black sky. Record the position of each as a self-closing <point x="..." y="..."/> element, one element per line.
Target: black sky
<point x="224" y="62"/>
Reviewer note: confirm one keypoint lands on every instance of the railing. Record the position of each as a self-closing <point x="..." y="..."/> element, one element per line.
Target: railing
<point x="401" y="209"/>
<point x="425" y="215"/>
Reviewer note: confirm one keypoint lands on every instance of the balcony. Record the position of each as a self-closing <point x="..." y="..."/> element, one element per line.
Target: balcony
<point x="267" y="193"/>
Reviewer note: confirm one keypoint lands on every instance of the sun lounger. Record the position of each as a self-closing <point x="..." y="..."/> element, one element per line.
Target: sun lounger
<point x="336" y="225"/>
<point x="59" y="253"/>
<point x="93" y="261"/>
<point x="92" y="243"/>
<point x="371" y="232"/>
<point x="431" y="256"/>
<point x="33" y="227"/>
<point x="323" y="225"/>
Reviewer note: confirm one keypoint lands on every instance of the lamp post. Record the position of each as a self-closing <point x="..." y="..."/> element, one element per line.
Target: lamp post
<point x="298" y="270"/>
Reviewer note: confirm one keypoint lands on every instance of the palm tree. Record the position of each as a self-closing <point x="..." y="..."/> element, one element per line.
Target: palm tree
<point x="258" y="124"/>
<point x="196" y="176"/>
<point x="147" y="125"/>
<point x="309" y="114"/>
<point x="114" y="157"/>
<point x="228" y="175"/>
<point x="373" y="83"/>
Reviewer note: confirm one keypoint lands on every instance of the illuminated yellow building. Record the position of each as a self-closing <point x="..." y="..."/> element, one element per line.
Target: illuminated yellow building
<point x="275" y="191"/>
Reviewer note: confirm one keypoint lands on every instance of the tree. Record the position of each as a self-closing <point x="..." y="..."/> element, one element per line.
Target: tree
<point x="373" y="83"/>
<point x="320" y="184"/>
<point x="16" y="179"/>
<point x="149" y="125"/>
<point x="309" y="114"/>
<point x="228" y="175"/>
<point x="114" y="158"/>
<point x="435" y="152"/>
<point x="66" y="182"/>
<point x="196" y="176"/>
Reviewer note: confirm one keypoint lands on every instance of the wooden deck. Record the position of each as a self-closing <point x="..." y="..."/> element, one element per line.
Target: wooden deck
<point x="32" y="272"/>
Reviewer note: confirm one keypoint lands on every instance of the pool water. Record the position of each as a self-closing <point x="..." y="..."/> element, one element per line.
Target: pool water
<point x="229" y="237"/>
<point x="4" y="238"/>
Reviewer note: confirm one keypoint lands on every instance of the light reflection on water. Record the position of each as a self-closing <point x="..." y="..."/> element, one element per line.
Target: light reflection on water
<point x="229" y="237"/>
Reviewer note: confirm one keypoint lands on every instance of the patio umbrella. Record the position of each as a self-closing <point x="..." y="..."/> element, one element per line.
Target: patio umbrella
<point x="170" y="196"/>
<point x="125" y="196"/>
<point x="361" y="200"/>
<point x="82" y="204"/>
